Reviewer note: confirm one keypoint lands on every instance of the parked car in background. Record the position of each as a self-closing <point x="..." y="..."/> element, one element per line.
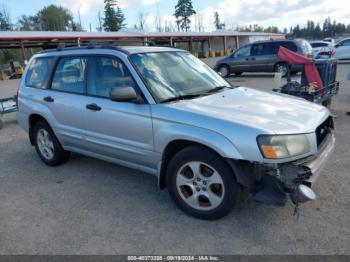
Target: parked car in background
<point x="322" y="49"/>
<point x="163" y="111"/>
<point x="262" y="57"/>
<point x="329" y="40"/>
<point x="342" y="49"/>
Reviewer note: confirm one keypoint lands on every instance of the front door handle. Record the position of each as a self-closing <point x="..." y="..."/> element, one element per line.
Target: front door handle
<point x="49" y="99"/>
<point x="93" y="107"/>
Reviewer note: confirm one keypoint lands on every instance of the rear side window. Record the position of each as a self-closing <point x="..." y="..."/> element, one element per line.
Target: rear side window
<point x="289" y="45"/>
<point x="38" y="71"/>
<point x="105" y="74"/>
<point x="263" y="49"/>
<point x="345" y="43"/>
<point x="69" y="75"/>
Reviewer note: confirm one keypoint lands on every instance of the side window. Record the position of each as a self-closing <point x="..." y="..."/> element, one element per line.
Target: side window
<point x="106" y="73"/>
<point x="69" y="75"/>
<point x="346" y="43"/>
<point x="243" y="51"/>
<point x="289" y="45"/>
<point x="257" y="49"/>
<point x="262" y="49"/>
<point x="38" y="72"/>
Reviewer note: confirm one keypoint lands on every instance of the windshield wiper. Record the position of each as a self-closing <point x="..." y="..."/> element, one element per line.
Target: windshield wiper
<point x="182" y="97"/>
<point x="217" y="88"/>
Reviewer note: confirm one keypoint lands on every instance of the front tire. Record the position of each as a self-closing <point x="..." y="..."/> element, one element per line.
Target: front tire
<point x="224" y="71"/>
<point x="201" y="183"/>
<point x="47" y="146"/>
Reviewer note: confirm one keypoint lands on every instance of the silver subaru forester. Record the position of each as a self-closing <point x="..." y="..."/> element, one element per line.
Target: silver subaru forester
<point x="162" y="111"/>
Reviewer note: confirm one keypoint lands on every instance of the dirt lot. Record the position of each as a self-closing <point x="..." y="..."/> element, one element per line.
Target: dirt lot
<point x="89" y="206"/>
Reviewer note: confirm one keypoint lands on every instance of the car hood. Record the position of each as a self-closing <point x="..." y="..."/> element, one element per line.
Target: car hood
<point x="269" y="112"/>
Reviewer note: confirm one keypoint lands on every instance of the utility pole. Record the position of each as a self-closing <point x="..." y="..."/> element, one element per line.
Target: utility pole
<point x="80" y="18"/>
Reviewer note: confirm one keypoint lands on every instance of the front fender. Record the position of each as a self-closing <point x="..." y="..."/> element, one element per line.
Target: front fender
<point x="217" y="142"/>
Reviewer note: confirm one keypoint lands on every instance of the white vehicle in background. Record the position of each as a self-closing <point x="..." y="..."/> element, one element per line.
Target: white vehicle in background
<point x="342" y="49"/>
<point x="329" y="40"/>
<point x="322" y="49"/>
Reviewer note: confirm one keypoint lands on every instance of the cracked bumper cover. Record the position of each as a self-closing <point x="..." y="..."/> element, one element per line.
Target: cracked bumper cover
<point x="317" y="163"/>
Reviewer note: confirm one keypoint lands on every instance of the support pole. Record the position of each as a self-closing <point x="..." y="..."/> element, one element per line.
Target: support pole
<point x="225" y="44"/>
<point x="191" y="45"/>
<point x="171" y="41"/>
<point x="24" y="56"/>
<point x="237" y="42"/>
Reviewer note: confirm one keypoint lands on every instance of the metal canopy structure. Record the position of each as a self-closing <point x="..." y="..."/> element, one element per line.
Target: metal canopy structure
<point x="50" y="39"/>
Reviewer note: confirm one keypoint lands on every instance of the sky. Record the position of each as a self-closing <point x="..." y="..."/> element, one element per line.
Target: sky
<point x="281" y="13"/>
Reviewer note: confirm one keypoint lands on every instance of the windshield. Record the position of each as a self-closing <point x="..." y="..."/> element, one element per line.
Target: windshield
<point x="175" y="74"/>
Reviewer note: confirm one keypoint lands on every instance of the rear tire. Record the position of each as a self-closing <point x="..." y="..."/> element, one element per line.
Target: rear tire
<point x="224" y="71"/>
<point x="47" y="146"/>
<point x="281" y="68"/>
<point x="327" y="103"/>
<point x="201" y="183"/>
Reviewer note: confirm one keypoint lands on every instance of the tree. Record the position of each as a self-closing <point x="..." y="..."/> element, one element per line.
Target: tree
<point x="28" y="23"/>
<point x="55" y="18"/>
<point x="99" y="22"/>
<point x="183" y="10"/>
<point x="217" y="22"/>
<point x="141" y="20"/>
<point x="114" y="19"/>
<point x="5" y="20"/>
<point x="120" y="18"/>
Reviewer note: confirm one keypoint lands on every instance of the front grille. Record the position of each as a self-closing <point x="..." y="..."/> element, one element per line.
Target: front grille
<point x="324" y="130"/>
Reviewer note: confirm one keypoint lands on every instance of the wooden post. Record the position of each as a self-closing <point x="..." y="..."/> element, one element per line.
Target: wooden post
<point x="24" y="56"/>
<point x="191" y="46"/>
<point x="224" y="44"/>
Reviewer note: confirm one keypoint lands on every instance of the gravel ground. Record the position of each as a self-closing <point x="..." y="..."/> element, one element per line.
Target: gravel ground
<point x="89" y="206"/>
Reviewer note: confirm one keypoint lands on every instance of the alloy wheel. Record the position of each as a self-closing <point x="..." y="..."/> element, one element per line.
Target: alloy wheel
<point x="45" y="144"/>
<point x="200" y="185"/>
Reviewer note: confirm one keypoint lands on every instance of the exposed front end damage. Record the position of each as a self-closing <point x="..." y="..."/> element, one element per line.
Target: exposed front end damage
<point x="273" y="183"/>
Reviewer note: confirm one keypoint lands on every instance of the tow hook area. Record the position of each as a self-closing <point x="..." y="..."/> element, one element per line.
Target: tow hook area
<point x="302" y="194"/>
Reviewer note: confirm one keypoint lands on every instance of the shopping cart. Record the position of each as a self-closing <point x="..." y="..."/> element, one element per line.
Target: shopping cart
<point x="318" y="78"/>
<point x="7" y="105"/>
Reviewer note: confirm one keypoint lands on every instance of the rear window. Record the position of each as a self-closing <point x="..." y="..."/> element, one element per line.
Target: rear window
<point x="305" y="47"/>
<point x="38" y="72"/>
<point x="315" y="45"/>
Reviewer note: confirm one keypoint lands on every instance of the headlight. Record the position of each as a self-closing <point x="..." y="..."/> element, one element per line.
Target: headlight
<point x="283" y="146"/>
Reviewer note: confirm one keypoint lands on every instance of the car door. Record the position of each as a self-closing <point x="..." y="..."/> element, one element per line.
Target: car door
<point x="342" y="49"/>
<point x="262" y="58"/>
<point x="239" y="60"/>
<point x="118" y="130"/>
<point x="60" y="100"/>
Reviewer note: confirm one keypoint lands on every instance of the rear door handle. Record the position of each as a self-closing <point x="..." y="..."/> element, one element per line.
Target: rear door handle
<point x="93" y="107"/>
<point x="49" y="99"/>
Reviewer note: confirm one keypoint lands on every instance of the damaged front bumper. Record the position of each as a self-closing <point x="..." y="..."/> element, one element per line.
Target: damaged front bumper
<point x="317" y="163"/>
<point x="271" y="184"/>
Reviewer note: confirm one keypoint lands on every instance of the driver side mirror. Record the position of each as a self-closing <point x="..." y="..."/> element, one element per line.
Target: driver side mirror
<point x="124" y="94"/>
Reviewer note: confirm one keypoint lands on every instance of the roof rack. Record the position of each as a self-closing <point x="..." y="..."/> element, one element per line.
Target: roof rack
<point x="116" y="45"/>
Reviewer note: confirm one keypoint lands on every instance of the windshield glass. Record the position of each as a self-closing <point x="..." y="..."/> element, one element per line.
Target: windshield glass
<point x="173" y="74"/>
